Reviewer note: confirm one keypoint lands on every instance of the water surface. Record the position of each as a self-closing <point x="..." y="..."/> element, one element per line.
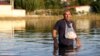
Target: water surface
<point x="16" y="39"/>
<point x="23" y="43"/>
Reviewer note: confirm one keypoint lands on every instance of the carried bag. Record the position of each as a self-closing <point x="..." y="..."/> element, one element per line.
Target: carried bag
<point x="69" y="32"/>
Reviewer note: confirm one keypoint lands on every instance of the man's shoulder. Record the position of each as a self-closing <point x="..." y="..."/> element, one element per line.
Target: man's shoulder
<point x="61" y="20"/>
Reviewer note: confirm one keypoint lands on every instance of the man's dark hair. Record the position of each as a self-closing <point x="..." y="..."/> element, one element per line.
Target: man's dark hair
<point x="67" y="10"/>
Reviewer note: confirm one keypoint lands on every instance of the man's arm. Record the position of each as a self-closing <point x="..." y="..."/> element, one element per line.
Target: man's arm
<point x="54" y="35"/>
<point x="78" y="42"/>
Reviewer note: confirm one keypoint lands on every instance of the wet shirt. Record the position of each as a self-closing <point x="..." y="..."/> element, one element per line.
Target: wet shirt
<point x="60" y="27"/>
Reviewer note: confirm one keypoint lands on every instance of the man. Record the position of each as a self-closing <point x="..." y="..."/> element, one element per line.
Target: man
<point x="65" y="28"/>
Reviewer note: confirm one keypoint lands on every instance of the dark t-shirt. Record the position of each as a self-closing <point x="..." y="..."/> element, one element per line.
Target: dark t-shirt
<point x="60" y="27"/>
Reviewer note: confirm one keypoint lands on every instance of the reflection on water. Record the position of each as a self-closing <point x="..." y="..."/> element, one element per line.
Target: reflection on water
<point x="11" y="25"/>
<point x="21" y="43"/>
<point x="41" y="44"/>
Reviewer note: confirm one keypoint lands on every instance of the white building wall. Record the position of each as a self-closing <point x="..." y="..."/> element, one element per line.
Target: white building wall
<point x="18" y="12"/>
<point x="83" y="9"/>
<point x="6" y="10"/>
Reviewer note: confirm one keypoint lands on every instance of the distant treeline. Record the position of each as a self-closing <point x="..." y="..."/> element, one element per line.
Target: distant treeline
<point x="31" y="5"/>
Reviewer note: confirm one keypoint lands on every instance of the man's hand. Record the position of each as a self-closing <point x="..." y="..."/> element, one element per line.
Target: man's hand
<point x="55" y="49"/>
<point x="78" y="43"/>
<point x="55" y="46"/>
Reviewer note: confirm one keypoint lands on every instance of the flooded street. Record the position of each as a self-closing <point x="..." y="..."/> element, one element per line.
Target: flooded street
<point x="40" y="44"/>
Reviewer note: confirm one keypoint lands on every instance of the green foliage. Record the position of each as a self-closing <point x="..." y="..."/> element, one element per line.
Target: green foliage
<point x="31" y="5"/>
<point x="96" y="6"/>
<point x="17" y="4"/>
<point x="38" y="4"/>
<point x="24" y="4"/>
<point x="84" y="2"/>
<point x="52" y="4"/>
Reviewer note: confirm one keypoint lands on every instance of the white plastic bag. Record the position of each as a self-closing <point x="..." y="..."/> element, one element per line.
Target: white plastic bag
<point x="71" y="35"/>
<point x="69" y="32"/>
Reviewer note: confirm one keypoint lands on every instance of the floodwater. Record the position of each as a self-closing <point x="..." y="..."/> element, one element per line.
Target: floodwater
<point x="29" y="43"/>
<point x="21" y="43"/>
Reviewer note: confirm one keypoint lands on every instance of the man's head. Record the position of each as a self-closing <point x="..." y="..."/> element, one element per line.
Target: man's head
<point x="67" y="15"/>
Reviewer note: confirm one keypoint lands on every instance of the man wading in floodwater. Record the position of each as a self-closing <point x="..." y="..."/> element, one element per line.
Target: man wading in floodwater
<point x="67" y="38"/>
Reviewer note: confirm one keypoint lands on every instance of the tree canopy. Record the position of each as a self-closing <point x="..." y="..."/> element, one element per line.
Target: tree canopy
<point x="31" y="5"/>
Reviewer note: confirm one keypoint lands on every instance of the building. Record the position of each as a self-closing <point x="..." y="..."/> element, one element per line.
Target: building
<point x="78" y="9"/>
<point x="83" y="9"/>
<point x="7" y="9"/>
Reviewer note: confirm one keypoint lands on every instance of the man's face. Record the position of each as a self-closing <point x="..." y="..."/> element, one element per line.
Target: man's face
<point x="67" y="15"/>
